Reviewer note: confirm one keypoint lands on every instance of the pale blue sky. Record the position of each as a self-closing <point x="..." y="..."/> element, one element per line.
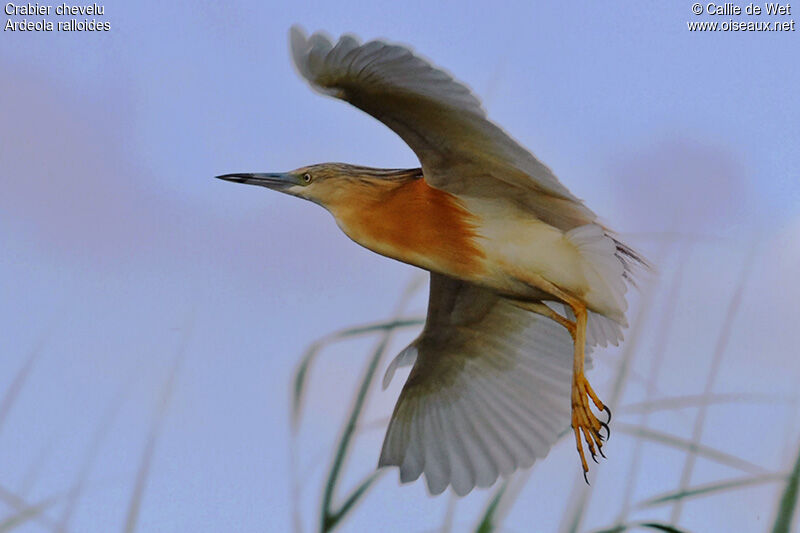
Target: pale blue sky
<point x="116" y="240"/>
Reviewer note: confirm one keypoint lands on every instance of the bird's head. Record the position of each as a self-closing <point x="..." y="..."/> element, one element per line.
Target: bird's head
<point x="325" y="184"/>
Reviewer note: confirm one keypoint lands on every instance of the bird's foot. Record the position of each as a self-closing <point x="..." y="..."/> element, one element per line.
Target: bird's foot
<point x="584" y="422"/>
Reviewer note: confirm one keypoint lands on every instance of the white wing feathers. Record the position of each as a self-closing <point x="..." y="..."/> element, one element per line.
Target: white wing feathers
<point x="489" y="391"/>
<point x="438" y="117"/>
<point x="406" y="357"/>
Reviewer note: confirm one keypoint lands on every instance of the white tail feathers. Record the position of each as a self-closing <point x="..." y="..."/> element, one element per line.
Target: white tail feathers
<point x="604" y="273"/>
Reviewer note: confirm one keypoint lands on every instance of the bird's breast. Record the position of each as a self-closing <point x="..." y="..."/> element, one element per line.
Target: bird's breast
<point x="414" y="223"/>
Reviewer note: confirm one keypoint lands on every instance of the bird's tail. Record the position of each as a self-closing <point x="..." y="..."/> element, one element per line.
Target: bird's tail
<point x="633" y="262"/>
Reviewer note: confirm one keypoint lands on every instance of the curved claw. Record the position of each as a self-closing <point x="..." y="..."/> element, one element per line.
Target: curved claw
<point x="608" y="431"/>
<point x="594" y="458"/>
<point x="607" y="410"/>
<point x="601" y="453"/>
<point x="586" y="478"/>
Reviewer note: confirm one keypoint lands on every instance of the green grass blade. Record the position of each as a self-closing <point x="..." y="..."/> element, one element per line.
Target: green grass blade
<point x="487" y="523"/>
<point x="662" y="337"/>
<point x="449" y="514"/>
<point x="26" y="512"/>
<point x="35" y="468"/>
<point x="25" y="515"/>
<point x="143" y="472"/>
<point x="14" y="389"/>
<point x="788" y="503"/>
<point x="500" y="504"/>
<point x="656" y="526"/>
<point x="686" y="445"/>
<point x="663" y="527"/>
<point x="668" y="528"/>
<point x="329" y="518"/>
<point x="723" y="339"/>
<point x="95" y="445"/>
<point x="697" y="400"/>
<point x="355" y="496"/>
<point x="710" y="488"/>
<point x="311" y="353"/>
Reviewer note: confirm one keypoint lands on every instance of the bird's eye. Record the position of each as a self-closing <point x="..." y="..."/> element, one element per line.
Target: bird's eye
<point x="307" y="177"/>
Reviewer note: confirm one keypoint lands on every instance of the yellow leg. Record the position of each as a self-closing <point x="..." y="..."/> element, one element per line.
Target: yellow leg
<point x="585" y="424"/>
<point x="542" y="309"/>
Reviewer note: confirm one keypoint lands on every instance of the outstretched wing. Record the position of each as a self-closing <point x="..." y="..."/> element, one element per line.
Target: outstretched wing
<point x="489" y="391"/>
<point x="461" y="151"/>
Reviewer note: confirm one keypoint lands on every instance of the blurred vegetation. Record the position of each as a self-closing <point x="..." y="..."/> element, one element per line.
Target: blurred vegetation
<point x="336" y="504"/>
<point x="501" y="500"/>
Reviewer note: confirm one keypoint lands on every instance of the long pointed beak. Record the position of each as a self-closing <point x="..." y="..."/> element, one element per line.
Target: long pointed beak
<point x="277" y="181"/>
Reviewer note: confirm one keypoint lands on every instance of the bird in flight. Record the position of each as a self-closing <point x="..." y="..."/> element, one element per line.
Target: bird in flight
<point x="524" y="280"/>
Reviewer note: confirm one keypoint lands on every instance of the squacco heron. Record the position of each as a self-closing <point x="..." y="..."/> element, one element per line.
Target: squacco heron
<point x="524" y="280"/>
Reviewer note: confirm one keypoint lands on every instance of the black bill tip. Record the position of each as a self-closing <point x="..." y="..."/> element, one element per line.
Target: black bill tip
<point x="271" y="180"/>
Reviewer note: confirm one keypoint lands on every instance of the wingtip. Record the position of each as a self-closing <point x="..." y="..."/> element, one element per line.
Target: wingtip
<point x="298" y="40"/>
<point x="298" y="48"/>
<point x="297" y="31"/>
<point x="307" y="51"/>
